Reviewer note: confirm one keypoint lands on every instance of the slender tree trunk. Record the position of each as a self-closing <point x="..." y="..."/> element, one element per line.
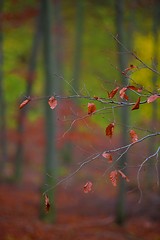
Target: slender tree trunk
<point x="120" y="30"/>
<point x="78" y="43"/>
<point x="19" y="155"/>
<point x="50" y="167"/>
<point x="3" y="129"/>
<point x="58" y="44"/>
<point x="154" y="118"/>
<point x="77" y="65"/>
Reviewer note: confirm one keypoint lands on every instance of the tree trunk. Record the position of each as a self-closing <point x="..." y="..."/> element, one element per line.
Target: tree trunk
<point x="3" y="130"/>
<point x="50" y="167"/>
<point x="120" y="30"/>
<point x="19" y="155"/>
<point x="154" y="118"/>
<point x="78" y="44"/>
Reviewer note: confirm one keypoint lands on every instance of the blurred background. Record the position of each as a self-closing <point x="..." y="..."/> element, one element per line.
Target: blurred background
<point x="68" y="49"/>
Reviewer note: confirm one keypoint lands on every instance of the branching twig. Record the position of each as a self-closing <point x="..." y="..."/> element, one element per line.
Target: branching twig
<point x="139" y="170"/>
<point x="135" y="56"/>
<point x="87" y="161"/>
<point x="96" y="155"/>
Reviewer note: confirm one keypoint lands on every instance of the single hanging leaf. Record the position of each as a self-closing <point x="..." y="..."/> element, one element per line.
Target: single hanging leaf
<point x="25" y="102"/>
<point x="128" y="69"/>
<point x="136" y="106"/>
<point x="87" y="187"/>
<point x="47" y="203"/>
<point x="152" y="98"/>
<point x="91" y="108"/>
<point x="122" y="93"/>
<point x="123" y="175"/>
<point x="113" y="177"/>
<point x="52" y="102"/>
<point x="109" y="130"/>
<point x="113" y="92"/>
<point x="133" y="135"/>
<point x="108" y="156"/>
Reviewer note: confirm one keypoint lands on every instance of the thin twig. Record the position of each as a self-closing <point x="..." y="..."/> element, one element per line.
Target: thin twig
<point x="135" y="56"/>
<point x="87" y="161"/>
<point x="139" y="170"/>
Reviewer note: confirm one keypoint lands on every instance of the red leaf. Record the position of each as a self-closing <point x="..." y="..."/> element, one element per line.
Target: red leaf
<point x="133" y="136"/>
<point x="108" y="156"/>
<point x="134" y="88"/>
<point x="109" y="130"/>
<point x="52" y="102"/>
<point x="113" y="92"/>
<point x="136" y="106"/>
<point x="87" y="187"/>
<point x="47" y="203"/>
<point x="123" y="175"/>
<point x="25" y="102"/>
<point x="113" y="177"/>
<point x="122" y="93"/>
<point x="91" y="108"/>
<point x="128" y="69"/>
<point x="152" y="98"/>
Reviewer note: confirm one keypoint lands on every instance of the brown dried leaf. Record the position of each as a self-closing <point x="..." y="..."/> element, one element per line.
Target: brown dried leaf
<point x="108" y="156"/>
<point x="52" y="102"/>
<point x="109" y="129"/>
<point x="47" y="203"/>
<point x="136" y="106"/>
<point x="152" y="98"/>
<point x="25" y="102"/>
<point x="91" y="108"/>
<point x="122" y="93"/>
<point x="133" y="135"/>
<point x="128" y="69"/>
<point x="113" y="177"/>
<point x="113" y="92"/>
<point x="87" y="187"/>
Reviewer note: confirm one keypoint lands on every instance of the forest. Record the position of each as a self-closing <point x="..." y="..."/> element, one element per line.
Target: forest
<point x="79" y="119"/>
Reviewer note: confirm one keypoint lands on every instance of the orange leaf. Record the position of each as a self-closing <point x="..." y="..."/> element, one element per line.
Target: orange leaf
<point x="152" y="98"/>
<point x="128" y="69"/>
<point x="108" y="156"/>
<point x="113" y="92"/>
<point x="52" y="102"/>
<point x="136" y="106"/>
<point x="123" y="175"/>
<point x="113" y="177"/>
<point x="91" y="108"/>
<point x="133" y="136"/>
<point x="47" y="203"/>
<point x="122" y="93"/>
<point x="87" y="187"/>
<point x="109" y="130"/>
<point x="25" y="102"/>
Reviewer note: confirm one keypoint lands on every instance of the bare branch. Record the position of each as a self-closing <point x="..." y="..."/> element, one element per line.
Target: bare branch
<point x="135" y="56"/>
<point x="139" y="170"/>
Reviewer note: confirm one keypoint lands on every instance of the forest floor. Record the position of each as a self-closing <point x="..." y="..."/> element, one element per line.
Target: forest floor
<point x="79" y="216"/>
